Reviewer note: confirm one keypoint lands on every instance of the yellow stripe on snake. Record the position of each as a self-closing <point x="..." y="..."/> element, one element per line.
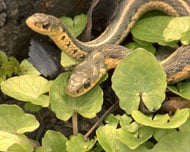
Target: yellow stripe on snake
<point x="104" y="53"/>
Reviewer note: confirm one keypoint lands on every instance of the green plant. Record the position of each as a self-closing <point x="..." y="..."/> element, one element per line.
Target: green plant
<point x="134" y="80"/>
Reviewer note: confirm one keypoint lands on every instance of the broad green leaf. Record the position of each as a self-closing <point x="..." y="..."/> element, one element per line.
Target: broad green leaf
<point x="134" y="45"/>
<point x="14" y="120"/>
<point x="134" y="140"/>
<point x="162" y="121"/>
<point x="22" y="145"/>
<point x="28" y="68"/>
<point x="141" y="44"/>
<point x="43" y="149"/>
<point x="108" y="138"/>
<point x="132" y="127"/>
<point x="76" y="25"/>
<point x="173" y="142"/>
<point x="11" y="141"/>
<point x="77" y="143"/>
<point x="53" y="142"/>
<point x="7" y="139"/>
<point x="142" y="31"/>
<point x="3" y="57"/>
<point x="112" y="120"/>
<point x="185" y="126"/>
<point x="66" y="60"/>
<point x="32" y="108"/>
<point x="125" y="121"/>
<point x="139" y="78"/>
<point x="182" y="89"/>
<point x="176" y="28"/>
<point x="65" y="106"/>
<point x="185" y="38"/>
<point x="28" y="88"/>
<point x="160" y="132"/>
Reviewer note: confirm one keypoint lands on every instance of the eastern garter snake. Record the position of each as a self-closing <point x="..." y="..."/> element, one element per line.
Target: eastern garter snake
<point x="106" y="54"/>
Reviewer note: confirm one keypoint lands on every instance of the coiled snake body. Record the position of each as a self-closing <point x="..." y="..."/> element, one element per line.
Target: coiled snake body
<point x="103" y="52"/>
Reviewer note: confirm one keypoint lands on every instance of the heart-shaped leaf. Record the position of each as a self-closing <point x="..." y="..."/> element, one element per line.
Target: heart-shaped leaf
<point x="76" y="25"/>
<point x="139" y="78"/>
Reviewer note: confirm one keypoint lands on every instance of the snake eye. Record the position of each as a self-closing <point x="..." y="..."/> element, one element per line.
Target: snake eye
<point x="45" y="25"/>
<point x="87" y="83"/>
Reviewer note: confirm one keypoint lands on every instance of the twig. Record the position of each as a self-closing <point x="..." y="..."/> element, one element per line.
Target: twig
<point x="100" y="120"/>
<point x="87" y="32"/>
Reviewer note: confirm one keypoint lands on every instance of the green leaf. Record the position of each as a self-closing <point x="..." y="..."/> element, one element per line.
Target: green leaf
<point x="7" y="139"/>
<point x="141" y="44"/>
<point x="11" y="67"/>
<point x="155" y="35"/>
<point x="173" y="142"/>
<point x="28" y="88"/>
<point x="77" y="143"/>
<point x="112" y="120"/>
<point x="53" y="142"/>
<point x="43" y="149"/>
<point x="182" y="89"/>
<point x="32" y="108"/>
<point x="108" y="138"/>
<point x="139" y="78"/>
<point x="160" y="132"/>
<point x="125" y="120"/>
<point x="185" y="126"/>
<point x="162" y="121"/>
<point x="66" y="60"/>
<point x="13" y="142"/>
<point x="28" y="68"/>
<point x="22" y="145"/>
<point x="131" y="133"/>
<point x="185" y="38"/>
<point x="176" y="28"/>
<point x="134" y="140"/>
<point x="76" y="25"/>
<point x="3" y="57"/>
<point x="65" y="106"/>
<point x="14" y="120"/>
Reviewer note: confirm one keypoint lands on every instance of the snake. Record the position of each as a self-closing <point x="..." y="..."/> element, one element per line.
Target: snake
<point x="104" y="52"/>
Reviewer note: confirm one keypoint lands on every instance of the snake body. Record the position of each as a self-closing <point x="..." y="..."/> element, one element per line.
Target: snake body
<point x="105" y="54"/>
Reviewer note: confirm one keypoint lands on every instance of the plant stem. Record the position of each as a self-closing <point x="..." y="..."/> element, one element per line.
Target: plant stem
<point x="75" y="123"/>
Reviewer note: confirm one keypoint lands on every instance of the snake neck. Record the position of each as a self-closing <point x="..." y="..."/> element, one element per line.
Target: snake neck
<point x="70" y="45"/>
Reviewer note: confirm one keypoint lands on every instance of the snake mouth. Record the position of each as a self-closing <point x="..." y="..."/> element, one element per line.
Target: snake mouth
<point x="35" y="23"/>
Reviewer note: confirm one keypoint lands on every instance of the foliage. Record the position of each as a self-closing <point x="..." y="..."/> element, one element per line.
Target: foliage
<point x="75" y="25"/>
<point x="138" y="81"/>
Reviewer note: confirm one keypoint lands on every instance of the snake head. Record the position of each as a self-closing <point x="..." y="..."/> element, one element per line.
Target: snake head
<point x="83" y="78"/>
<point x="44" y="24"/>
